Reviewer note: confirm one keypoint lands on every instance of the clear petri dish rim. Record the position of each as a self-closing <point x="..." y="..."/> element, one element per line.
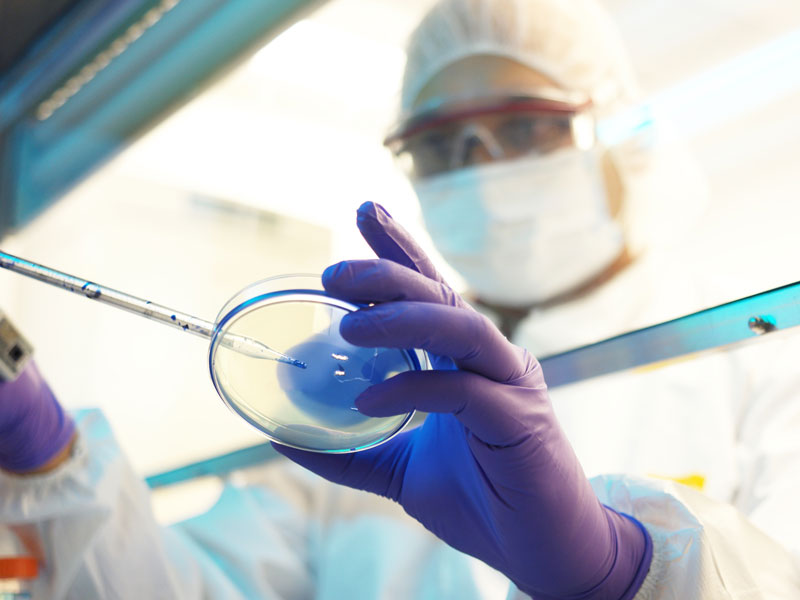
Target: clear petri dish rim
<point x="243" y="303"/>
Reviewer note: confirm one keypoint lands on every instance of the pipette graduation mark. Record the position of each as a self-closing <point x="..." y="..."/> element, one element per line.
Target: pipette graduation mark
<point x="150" y="310"/>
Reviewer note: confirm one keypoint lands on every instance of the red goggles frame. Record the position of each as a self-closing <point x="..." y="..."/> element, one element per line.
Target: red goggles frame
<point x="559" y="103"/>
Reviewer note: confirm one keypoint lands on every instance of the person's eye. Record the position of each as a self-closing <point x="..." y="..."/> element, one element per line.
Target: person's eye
<point x="430" y="151"/>
<point x="553" y="133"/>
<point x="517" y="133"/>
<point x="436" y="142"/>
<point x="535" y="134"/>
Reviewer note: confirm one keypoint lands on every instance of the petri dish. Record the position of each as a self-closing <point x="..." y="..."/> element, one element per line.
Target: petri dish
<point x="310" y="408"/>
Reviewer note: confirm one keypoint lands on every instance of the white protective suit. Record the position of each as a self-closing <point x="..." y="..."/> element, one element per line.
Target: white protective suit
<point x="280" y="532"/>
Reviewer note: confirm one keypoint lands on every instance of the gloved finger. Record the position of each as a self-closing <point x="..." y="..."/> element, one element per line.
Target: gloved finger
<point x="382" y="280"/>
<point x="389" y="240"/>
<point x="466" y="336"/>
<point x="378" y="470"/>
<point x="491" y="413"/>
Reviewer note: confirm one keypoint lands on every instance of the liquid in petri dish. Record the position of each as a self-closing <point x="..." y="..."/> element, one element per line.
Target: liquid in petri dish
<point x="311" y="408"/>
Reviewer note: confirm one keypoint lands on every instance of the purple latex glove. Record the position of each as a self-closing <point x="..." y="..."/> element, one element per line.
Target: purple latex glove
<point x="490" y="472"/>
<point x="33" y="426"/>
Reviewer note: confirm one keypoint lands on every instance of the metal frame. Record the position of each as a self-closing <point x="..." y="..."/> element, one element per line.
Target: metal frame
<point x="105" y="75"/>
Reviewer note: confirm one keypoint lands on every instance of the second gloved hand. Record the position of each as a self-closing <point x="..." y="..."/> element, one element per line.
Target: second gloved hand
<point x="34" y="428"/>
<point x="490" y="471"/>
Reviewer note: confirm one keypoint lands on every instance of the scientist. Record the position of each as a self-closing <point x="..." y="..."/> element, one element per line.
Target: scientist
<point x="500" y="101"/>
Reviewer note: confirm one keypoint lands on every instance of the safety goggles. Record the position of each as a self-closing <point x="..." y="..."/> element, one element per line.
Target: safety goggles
<point x="456" y="134"/>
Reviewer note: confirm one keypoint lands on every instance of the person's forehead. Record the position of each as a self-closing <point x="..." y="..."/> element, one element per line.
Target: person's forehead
<point x="481" y="75"/>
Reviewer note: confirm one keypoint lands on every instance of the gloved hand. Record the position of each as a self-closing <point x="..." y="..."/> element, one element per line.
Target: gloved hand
<point x="33" y="426"/>
<point x="490" y="472"/>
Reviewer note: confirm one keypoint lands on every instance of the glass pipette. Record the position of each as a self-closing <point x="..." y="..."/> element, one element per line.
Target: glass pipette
<point x="144" y="308"/>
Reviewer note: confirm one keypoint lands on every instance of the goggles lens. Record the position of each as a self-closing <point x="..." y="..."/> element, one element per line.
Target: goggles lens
<point x="436" y="143"/>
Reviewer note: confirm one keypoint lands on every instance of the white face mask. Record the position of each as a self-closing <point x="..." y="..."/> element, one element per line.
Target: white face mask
<point x="523" y="231"/>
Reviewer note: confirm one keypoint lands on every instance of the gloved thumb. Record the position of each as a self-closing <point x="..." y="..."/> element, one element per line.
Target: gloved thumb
<point x="389" y="240"/>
